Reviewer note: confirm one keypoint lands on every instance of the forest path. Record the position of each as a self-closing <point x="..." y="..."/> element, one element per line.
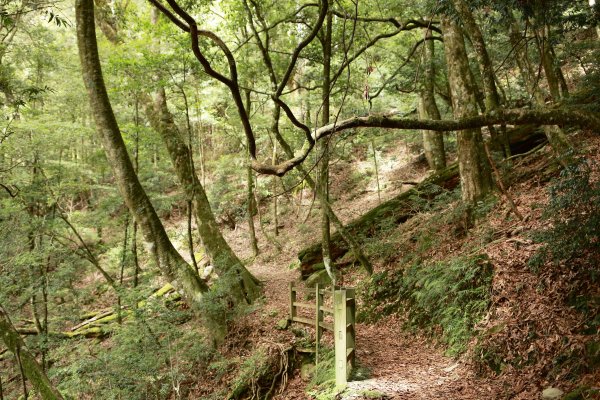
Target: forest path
<point x="398" y="364"/>
<point x="401" y="365"/>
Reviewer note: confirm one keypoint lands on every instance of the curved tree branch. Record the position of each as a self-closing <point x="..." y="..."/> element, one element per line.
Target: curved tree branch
<point x="9" y="190"/>
<point x="513" y="117"/>
<point x="407" y="26"/>
<point x="391" y="20"/>
<point x="406" y="61"/>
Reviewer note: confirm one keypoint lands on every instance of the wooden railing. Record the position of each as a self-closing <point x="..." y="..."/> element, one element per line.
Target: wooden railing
<point x="343" y="312"/>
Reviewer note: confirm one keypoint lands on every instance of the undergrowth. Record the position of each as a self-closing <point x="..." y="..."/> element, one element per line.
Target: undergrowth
<point x="147" y="357"/>
<point x="574" y="216"/>
<point x="449" y="296"/>
<point x="444" y="299"/>
<point x="322" y="383"/>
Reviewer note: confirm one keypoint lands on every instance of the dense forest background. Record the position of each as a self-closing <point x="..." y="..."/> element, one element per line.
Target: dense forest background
<point x="167" y="168"/>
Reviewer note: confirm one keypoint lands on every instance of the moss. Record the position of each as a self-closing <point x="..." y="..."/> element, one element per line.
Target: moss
<point x="582" y="393"/>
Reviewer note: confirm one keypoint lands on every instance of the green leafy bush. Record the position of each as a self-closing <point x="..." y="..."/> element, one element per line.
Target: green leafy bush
<point x="443" y="298"/>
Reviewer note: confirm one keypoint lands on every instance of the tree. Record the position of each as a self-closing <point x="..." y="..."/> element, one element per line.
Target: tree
<point x="556" y="137"/>
<point x="433" y="142"/>
<point x="475" y="175"/>
<point x="28" y="365"/>
<point x="244" y="287"/>
<point x="168" y="260"/>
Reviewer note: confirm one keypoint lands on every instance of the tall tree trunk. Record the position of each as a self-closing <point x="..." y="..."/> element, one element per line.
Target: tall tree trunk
<point x="376" y="165"/>
<point x="547" y="61"/>
<point x="488" y="76"/>
<point x="323" y="176"/>
<point x="251" y="209"/>
<point x="264" y="49"/>
<point x="250" y="199"/>
<point x="30" y="367"/>
<point x="433" y="142"/>
<point x="593" y="5"/>
<point x="136" y="168"/>
<point x="244" y="286"/>
<point x="492" y="99"/>
<point x="274" y="189"/>
<point x="556" y="137"/>
<point x="475" y="175"/>
<point x="168" y="260"/>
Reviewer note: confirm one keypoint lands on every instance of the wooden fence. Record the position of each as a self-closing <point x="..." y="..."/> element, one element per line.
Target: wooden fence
<point x="344" y="314"/>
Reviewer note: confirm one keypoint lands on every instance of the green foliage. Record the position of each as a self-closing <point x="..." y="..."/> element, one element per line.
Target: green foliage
<point x="574" y="216"/>
<point x="442" y="298"/>
<point x="254" y="368"/>
<point x="147" y="357"/>
<point x="452" y="296"/>
<point x="322" y="383"/>
<point x="583" y="393"/>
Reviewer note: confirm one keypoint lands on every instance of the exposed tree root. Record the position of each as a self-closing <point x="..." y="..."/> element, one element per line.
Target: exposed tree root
<point x="268" y="375"/>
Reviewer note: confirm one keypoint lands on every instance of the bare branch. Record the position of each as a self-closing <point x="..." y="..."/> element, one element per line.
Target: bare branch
<point x="406" y="61"/>
<point x="10" y="191"/>
<point x="408" y="26"/>
<point x="307" y="40"/>
<point x="391" y="20"/>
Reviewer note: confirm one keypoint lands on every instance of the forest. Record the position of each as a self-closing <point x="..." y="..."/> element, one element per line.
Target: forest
<point x="198" y="196"/>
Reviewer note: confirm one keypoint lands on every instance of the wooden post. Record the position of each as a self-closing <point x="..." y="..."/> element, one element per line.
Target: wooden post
<point x="351" y="332"/>
<point x="318" y="320"/>
<point x="292" y="301"/>
<point x="340" y="316"/>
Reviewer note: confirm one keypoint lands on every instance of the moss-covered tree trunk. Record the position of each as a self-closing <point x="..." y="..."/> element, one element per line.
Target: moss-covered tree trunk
<point x="244" y="286"/>
<point x="475" y="175"/>
<point x="551" y="69"/>
<point x="433" y="142"/>
<point x="250" y="198"/>
<point x="488" y="75"/>
<point x="32" y="370"/>
<point x="492" y="99"/>
<point x="168" y="260"/>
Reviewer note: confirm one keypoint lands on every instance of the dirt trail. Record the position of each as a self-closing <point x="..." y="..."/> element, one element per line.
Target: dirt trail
<point x="399" y="365"/>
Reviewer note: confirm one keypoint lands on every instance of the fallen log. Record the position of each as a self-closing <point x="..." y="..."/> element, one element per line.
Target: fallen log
<point x="402" y="207"/>
<point x="96" y="324"/>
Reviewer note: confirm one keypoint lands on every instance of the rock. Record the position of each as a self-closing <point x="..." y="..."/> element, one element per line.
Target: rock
<point x="207" y="271"/>
<point x="319" y="277"/>
<point x="552" y="394"/>
<point x="306" y="371"/>
<point x="283" y="324"/>
<point x="450" y="368"/>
